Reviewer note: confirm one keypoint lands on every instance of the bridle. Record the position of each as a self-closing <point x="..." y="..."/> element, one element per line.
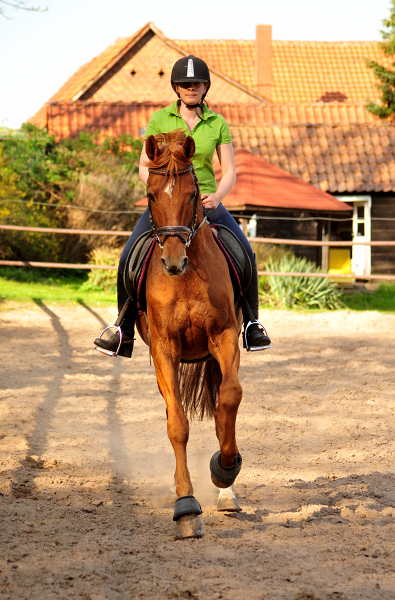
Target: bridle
<point x="177" y="230"/>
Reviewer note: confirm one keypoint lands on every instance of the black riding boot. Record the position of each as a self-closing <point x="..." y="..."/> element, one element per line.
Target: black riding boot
<point x="255" y="335"/>
<point x="125" y="322"/>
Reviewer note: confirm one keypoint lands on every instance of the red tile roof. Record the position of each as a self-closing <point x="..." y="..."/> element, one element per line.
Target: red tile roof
<point x="342" y="158"/>
<point x="66" y="119"/>
<point x="147" y="53"/>
<point x="261" y="185"/>
<point x="302" y="71"/>
<point x="334" y="155"/>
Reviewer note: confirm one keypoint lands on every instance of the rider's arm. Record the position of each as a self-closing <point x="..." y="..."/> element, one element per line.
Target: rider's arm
<point x="227" y="161"/>
<point x="143" y="170"/>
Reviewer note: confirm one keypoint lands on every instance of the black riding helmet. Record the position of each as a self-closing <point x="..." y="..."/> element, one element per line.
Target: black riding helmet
<point x="190" y="68"/>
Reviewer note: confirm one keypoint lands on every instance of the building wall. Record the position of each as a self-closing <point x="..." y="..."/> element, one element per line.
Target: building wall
<point x="304" y="230"/>
<point x="383" y="259"/>
<point x="148" y="84"/>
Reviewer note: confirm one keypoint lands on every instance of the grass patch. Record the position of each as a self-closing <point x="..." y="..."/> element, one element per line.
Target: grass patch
<point x="63" y="285"/>
<point x="382" y="299"/>
<point x="50" y="285"/>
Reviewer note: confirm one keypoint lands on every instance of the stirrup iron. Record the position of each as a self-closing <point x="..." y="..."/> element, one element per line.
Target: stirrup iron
<point x="255" y="348"/>
<point x="109" y="352"/>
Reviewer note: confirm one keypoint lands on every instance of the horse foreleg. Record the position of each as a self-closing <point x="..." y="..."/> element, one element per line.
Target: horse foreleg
<point x="227" y="462"/>
<point x="186" y="508"/>
<point x="177" y="422"/>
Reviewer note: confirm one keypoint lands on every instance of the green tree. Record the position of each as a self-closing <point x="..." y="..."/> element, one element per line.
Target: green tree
<point x="72" y="184"/>
<point x="384" y="75"/>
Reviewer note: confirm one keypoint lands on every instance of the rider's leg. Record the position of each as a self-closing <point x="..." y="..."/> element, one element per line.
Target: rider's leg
<point x="256" y="337"/>
<point x="128" y="321"/>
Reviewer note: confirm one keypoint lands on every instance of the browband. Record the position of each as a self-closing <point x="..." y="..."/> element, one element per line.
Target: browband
<point x="163" y="172"/>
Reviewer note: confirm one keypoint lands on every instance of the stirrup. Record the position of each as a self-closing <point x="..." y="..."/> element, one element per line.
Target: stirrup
<point x="255" y="348"/>
<point x="109" y="352"/>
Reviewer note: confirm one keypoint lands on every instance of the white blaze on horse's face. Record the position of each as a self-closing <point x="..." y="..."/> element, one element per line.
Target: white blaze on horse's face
<point x="174" y="257"/>
<point x="172" y="202"/>
<point x="169" y="187"/>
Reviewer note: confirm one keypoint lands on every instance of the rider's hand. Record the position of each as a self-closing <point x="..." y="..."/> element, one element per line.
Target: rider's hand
<point x="211" y="200"/>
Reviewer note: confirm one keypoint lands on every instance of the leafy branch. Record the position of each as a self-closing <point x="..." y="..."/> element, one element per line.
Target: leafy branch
<point x="19" y="5"/>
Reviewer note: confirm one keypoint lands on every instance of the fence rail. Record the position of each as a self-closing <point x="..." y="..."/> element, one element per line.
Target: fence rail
<point x="315" y="243"/>
<point x="329" y="275"/>
<point x="69" y="231"/>
<point x="261" y="240"/>
<point x="28" y="263"/>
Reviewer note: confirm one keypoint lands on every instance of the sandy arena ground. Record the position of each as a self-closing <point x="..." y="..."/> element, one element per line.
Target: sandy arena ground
<point x="86" y="466"/>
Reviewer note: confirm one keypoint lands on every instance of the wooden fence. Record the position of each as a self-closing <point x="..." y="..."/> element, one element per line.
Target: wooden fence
<point x="259" y="240"/>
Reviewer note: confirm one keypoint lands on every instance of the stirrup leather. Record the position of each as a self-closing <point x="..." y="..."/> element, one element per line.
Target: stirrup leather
<point x="254" y="348"/>
<point x="109" y="352"/>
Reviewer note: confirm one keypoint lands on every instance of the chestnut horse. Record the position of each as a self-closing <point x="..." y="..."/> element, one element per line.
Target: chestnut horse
<point x="190" y="315"/>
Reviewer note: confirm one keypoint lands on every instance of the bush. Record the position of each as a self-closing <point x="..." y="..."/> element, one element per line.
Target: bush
<point x="266" y="252"/>
<point x="308" y="292"/>
<point x="34" y="168"/>
<point x="103" y="279"/>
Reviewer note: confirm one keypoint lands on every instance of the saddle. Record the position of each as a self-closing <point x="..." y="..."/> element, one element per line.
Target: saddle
<point x="140" y="254"/>
<point x="137" y="262"/>
<point x="239" y="263"/>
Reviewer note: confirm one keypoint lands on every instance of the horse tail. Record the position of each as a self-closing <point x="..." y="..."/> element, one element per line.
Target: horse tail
<point x="199" y="385"/>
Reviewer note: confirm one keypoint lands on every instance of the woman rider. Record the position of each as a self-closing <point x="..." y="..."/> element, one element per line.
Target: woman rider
<point x="190" y="79"/>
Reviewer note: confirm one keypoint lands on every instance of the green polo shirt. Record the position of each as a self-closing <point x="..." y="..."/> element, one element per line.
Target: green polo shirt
<point x="209" y="132"/>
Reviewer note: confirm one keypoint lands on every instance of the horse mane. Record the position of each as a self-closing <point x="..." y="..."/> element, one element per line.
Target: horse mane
<point x="171" y="155"/>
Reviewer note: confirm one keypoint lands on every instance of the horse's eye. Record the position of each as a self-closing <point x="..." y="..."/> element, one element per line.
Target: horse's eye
<point x="192" y="196"/>
<point x="151" y="197"/>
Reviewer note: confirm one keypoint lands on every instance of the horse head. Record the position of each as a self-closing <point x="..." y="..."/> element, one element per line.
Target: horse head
<point x="173" y="195"/>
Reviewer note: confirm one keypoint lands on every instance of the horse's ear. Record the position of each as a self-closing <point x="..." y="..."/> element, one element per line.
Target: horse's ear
<point x="189" y="147"/>
<point x="151" y="147"/>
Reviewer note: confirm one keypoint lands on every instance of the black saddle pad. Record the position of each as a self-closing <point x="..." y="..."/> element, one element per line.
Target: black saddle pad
<point x="238" y="260"/>
<point x="136" y="266"/>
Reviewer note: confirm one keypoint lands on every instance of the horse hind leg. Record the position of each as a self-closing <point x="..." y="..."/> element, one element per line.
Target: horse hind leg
<point x="227" y="501"/>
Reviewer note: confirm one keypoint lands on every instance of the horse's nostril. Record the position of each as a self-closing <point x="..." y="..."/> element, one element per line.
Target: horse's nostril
<point x="184" y="263"/>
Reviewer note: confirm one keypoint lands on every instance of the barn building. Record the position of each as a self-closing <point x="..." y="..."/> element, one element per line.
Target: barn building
<point x="296" y="105"/>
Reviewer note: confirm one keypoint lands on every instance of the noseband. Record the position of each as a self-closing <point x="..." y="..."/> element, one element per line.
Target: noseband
<point x="177" y="230"/>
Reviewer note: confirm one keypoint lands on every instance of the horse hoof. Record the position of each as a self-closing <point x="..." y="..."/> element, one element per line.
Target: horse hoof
<point x="227" y="501"/>
<point x="186" y="505"/>
<point x="188" y="526"/>
<point x="223" y="477"/>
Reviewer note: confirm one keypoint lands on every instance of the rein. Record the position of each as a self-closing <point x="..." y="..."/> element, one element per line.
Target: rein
<point x="177" y="230"/>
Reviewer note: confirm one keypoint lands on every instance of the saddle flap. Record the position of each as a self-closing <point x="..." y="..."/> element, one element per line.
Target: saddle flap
<point x="136" y="261"/>
<point x="237" y="254"/>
